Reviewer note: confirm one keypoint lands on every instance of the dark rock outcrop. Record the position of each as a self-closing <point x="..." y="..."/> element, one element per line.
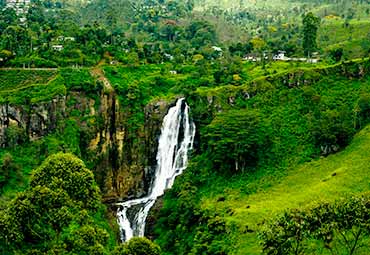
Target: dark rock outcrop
<point x="31" y="122"/>
<point x="123" y="161"/>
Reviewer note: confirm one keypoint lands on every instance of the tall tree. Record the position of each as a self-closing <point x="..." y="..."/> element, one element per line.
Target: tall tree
<point x="57" y="214"/>
<point x="311" y="24"/>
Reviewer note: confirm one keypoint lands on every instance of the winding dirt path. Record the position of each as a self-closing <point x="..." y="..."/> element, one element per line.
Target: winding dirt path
<point x="98" y="73"/>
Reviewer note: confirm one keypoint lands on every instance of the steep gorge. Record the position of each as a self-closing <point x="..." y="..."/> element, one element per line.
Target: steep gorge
<point x="122" y="158"/>
<point x="122" y="161"/>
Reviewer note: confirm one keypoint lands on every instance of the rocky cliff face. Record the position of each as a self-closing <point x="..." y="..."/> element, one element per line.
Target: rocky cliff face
<point x="21" y="123"/>
<point x="121" y="160"/>
<point x="127" y="158"/>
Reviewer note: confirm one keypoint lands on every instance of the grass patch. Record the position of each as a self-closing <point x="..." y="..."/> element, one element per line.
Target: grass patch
<point x="16" y="79"/>
<point x="325" y="179"/>
<point x="22" y="87"/>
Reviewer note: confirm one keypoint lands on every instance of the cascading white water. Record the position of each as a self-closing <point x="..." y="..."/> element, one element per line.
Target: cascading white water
<point x="176" y="140"/>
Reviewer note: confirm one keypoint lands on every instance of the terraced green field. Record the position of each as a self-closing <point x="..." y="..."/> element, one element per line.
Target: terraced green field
<point x="11" y="80"/>
<point x="19" y="86"/>
<point x="24" y="86"/>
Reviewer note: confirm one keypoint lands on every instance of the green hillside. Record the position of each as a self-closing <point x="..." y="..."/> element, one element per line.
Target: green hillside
<point x="337" y="34"/>
<point x="298" y="111"/>
<point x="253" y="153"/>
<point x="263" y="106"/>
<point x="325" y="179"/>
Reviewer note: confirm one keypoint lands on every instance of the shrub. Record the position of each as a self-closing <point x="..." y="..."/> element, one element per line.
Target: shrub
<point x="137" y="246"/>
<point x="69" y="173"/>
<point x="343" y="223"/>
<point x="7" y="168"/>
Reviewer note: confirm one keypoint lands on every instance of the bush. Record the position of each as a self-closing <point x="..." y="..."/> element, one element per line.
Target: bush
<point x="7" y="168"/>
<point x="15" y="135"/>
<point x="336" y="54"/>
<point x="137" y="246"/>
<point x="334" y="129"/>
<point x="344" y="223"/>
<point x="33" y="62"/>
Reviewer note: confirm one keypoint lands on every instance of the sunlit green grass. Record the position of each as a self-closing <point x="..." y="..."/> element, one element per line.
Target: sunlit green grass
<point x="252" y="71"/>
<point x="16" y="79"/>
<point x="352" y="38"/>
<point x="324" y="179"/>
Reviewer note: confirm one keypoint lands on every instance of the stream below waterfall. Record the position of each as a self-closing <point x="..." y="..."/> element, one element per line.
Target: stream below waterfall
<point x="175" y="142"/>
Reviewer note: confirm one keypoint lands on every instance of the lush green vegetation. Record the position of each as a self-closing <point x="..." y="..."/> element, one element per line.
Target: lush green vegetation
<point x="335" y="33"/>
<point x="26" y="90"/>
<point x="19" y="160"/>
<point x="258" y="144"/>
<point x="137" y="246"/>
<point x="22" y="86"/>
<point x="60" y="211"/>
<point x="245" y="201"/>
<point x="77" y="33"/>
<point x="277" y="141"/>
<point x="78" y="79"/>
<point x="339" y="226"/>
<point x="16" y="79"/>
<point x="285" y="118"/>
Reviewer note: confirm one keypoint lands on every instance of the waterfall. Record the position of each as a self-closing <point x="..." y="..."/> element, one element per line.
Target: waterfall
<point x="175" y="141"/>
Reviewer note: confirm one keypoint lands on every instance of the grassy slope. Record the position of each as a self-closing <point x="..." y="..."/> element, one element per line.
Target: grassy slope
<point x="252" y="71"/>
<point x="323" y="179"/>
<point x="354" y="39"/>
<point x="23" y="86"/>
<point x="250" y="199"/>
<point x="12" y="79"/>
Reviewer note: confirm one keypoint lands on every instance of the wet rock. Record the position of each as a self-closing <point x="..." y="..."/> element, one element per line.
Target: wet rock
<point x="152" y="218"/>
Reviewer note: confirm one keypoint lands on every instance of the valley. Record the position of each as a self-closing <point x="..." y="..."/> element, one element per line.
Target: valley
<point x="209" y="127"/>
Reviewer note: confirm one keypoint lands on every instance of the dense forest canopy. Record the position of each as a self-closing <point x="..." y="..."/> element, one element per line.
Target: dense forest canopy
<point x="65" y="33"/>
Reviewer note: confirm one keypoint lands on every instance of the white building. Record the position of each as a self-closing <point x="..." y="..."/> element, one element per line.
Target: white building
<point x="216" y="48"/>
<point x="20" y="6"/>
<point x="69" y="38"/>
<point x="252" y="57"/>
<point x="280" y="56"/>
<point x="62" y="38"/>
<point x="168" y="56"/>
<point x="57" y="47"/>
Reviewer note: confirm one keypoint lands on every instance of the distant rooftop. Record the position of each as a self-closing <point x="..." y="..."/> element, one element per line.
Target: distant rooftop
<point x="20" y="6"/>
